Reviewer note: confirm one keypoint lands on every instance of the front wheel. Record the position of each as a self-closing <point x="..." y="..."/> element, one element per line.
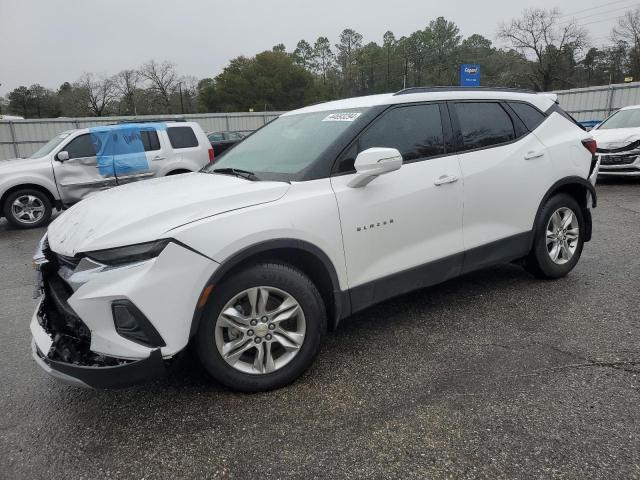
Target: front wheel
<point x="558" y="238"/>
<point x="262" y="328"/>
<point x="27" y="208"/>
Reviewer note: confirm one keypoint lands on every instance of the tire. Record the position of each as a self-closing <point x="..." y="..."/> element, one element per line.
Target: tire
<point x="36" y="208"/>
<point x="252" y="372"/>
<point x="540" y="261"/>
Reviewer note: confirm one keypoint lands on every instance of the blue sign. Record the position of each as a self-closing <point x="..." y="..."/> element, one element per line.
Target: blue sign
<point x="469" y="75"/>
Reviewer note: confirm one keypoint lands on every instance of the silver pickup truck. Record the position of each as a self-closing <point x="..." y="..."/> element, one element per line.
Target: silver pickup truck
<point x="76" y="163"/>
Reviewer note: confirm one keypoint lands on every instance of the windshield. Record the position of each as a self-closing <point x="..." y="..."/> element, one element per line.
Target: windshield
<point x="622" y="119"/>
<point x="287" y="145"/>
<point x="48" y="147"/>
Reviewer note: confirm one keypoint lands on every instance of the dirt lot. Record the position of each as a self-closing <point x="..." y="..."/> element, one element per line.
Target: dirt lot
<point x="495" y="374"/>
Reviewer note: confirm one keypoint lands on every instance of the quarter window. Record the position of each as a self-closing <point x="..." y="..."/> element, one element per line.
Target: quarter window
<point x="182" y="137"/>
<point x="82" y="146"/>
<point x="483" y="124"/>
<point x="531" y="116"/>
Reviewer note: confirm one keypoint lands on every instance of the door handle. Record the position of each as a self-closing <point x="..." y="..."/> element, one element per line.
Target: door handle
<point x="533" y="154"/>
<point x="158" y="157"/>
<point x="442" y="179"/>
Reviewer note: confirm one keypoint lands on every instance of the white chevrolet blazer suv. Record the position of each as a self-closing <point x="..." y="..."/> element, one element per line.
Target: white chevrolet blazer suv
<point x="321" y="213"/>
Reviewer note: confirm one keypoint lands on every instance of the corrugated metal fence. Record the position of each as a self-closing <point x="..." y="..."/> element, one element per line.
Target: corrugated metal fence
<point x="20" y="138"/>
<point x="596" y="103"/>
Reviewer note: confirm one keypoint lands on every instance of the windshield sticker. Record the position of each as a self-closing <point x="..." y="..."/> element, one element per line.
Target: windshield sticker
<point x="342" y="117"/>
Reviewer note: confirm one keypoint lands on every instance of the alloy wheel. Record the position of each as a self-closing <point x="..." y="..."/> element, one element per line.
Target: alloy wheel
<point x="28" y="209"/>
<point x="563" y="233"/>
<point x="260" y="330"/>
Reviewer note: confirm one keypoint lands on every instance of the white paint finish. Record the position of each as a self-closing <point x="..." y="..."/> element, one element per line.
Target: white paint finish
<point x="165" y="289"/>
<point x="42" y="338"/>
<point x="427" y="219"/>
<point x="307" y="212"/>
<point x="502" y="189"/>
<point x="144" y="211"/>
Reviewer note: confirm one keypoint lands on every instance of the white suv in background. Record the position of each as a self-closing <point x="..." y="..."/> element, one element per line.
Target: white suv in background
<point x="618" y="140"/>
<point x="79" y="162"/>
<point x="323" y="212"/>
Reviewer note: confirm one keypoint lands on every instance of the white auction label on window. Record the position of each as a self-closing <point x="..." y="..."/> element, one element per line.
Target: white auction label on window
<point x="341" y="117"/>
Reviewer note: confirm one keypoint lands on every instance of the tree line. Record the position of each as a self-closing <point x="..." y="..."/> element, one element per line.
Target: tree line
<point x="541" y="50"/>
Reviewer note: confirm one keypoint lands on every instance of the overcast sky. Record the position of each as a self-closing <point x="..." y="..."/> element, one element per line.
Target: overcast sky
<point x="52" y="41"/>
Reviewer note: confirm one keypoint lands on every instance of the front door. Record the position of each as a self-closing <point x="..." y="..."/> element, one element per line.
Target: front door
<point x="404" y="229"/>
<point x="81" y="175"/>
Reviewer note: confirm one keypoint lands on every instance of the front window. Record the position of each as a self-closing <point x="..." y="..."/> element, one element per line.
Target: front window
<point x="622" y="119"/>
<point x="48" y="147"/>
<point x="288" y="145"/>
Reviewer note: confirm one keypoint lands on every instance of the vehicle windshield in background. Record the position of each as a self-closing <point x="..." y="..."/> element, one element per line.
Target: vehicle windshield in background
<point x="622" y="119"/>
<point x="287" y="145"/>
<point x="47" y="148"/>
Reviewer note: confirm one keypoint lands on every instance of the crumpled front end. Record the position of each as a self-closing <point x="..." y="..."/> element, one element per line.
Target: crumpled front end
<point x="107" y="327"/>
<point x="624" y="161"/>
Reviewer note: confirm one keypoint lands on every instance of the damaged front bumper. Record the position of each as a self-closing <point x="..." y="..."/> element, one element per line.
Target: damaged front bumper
<point x="61" y="342"/>
<point x="69" y="360"/>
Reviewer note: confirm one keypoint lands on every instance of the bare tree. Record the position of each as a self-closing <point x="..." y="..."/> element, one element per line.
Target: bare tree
<point x="628" y="31"/>
<point x="126" y="83"/>
<point x="163" y="80"/>
<point x="99" y="93"/>
<point x="541" y="34"/>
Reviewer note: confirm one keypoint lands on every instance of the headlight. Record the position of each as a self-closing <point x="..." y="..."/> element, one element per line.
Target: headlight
<point x="128" y="254"/>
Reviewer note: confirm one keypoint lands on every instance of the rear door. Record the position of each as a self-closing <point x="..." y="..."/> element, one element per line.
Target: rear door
<point x="141" y="154"/>
<point x="81" y="175"/>
<point x="506" y="171"/>
<point x="404" y="229"/>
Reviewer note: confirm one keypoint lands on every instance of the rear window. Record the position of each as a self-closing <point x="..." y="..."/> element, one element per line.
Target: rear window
<point x="182" y="137"/>
<point x="531" y="116"/>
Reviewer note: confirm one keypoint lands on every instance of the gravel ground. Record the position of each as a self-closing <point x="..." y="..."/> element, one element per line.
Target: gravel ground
<point x="494" y="375"/>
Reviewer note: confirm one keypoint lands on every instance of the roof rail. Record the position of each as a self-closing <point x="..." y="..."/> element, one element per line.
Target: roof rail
<point x="461" y="89"/>
<point x="151" y="120"/>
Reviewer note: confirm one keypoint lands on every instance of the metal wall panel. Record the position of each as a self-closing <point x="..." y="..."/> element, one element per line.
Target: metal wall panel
<point x="597" y="103"/>
<point x="23" y="137"/>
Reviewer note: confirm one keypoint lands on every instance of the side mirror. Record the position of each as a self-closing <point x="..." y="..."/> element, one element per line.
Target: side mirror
<point x="62" y="156"/>
<point x="374" y="162"/>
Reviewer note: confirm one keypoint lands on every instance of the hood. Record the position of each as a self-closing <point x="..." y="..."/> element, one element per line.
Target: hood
<point x="145" y="211"/>
<point x="17" y="164"/>
<point x="616" y="137"/>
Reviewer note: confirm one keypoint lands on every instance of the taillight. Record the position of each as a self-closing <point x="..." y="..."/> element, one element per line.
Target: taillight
<point x="211" y="155"/>
<point x="591" y="145"/>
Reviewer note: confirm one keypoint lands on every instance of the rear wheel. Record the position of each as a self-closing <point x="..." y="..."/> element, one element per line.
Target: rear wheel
<point x="27" y="208"/>
<point x="559" y="238"/>
<point x="262" y="328"/>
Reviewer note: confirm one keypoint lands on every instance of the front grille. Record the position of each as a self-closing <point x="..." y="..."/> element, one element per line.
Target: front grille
<point x="627" y="159"/>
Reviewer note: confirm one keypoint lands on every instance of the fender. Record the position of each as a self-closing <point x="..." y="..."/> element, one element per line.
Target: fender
<point x="342" y="303"/>
<point x="572" y="180"/>
<point x="18" y="181"/>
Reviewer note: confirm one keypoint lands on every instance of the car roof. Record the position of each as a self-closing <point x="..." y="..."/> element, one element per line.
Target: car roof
<point x="115" y="126"/>
<point x="541" y="101"/>
<point x="630" y="107"/>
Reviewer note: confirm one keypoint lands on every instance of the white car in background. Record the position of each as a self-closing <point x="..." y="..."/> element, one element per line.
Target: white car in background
<point x="323" y="212"/>
<point x="618" y="139"/>
<point x="77" y="163"/>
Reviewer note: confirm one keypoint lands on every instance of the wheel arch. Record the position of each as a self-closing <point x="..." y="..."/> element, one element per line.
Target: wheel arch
<point x="306" y="257"/>
<point x="54" y="202"/>
<point x="579" y="189"/>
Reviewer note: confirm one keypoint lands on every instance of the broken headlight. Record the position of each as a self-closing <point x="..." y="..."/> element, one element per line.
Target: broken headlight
<point x="128" y="254"/>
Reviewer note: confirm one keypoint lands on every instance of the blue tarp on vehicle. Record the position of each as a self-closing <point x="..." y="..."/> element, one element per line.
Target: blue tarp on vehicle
<point x="120" y="148"/>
